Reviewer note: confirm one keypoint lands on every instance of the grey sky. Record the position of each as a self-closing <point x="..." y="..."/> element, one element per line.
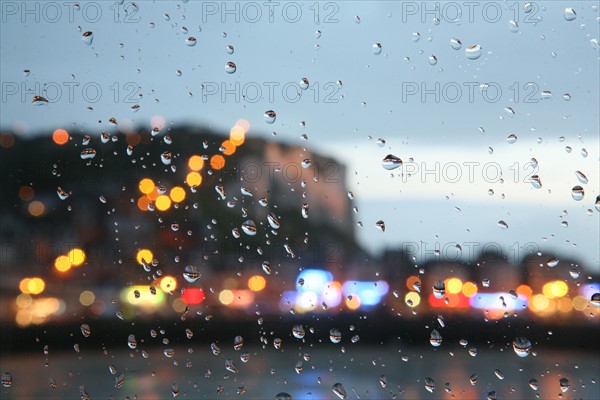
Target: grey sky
<point x="553" y="54"/>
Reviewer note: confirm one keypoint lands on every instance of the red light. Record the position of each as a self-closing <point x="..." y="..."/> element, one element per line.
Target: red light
<point x="193" y="296"/>
<point x="456" y="301"/>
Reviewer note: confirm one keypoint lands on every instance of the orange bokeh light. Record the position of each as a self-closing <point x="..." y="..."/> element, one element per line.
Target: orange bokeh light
<point x="26" y="193"/>
<point x="60" y="136"/>
<point x="229" y="147"/>
<point x="177" y="194"/>
<point x="217" y="161"/>
<point x="196" y="163"/>
<point x="143" y="203"/>
<point x="193" y="179"/>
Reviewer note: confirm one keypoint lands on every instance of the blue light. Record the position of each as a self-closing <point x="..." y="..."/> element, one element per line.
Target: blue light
<point x="314" y="280"/>
<point x="369" y="292"/>
<point x="491" y="301"/>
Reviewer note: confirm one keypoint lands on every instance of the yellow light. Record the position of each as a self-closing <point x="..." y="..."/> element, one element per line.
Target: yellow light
<point x="177" y="194"/>
<point x="24" y="285"/>
<point x="217" y="161"/>
<point x="36" y="286"/>
<point x="559" y="289"/>
<point x="144" y="255"/>
<point x="140" y="295"/>
<point x="257" y="283"/>
<point x="229" y="147"/>
<point x="412" y="297"/>
<point x="76" y="257"/>
<point x="453" y="285"/>
<point x="580" y="303"/>
<point x="146" y="186"/>
<point x="237" y="135"/>
<point x="524" y="290"/>
<point x="193" y="179"/>
<point x="195" y="163"/>
<point x="62" y="263"/>
<point x="23" y="318"/>
<point x="469" y="289"/>
<point x="36" y="208"/>
<point x="540" y="302"/>
<point x="168" y="284"/>
<point x="87" y="298"/>
<point x="226" y="297"/>
<point x="353" y="303"/>
<point x="547" y="290"/>
<point x="163" y="202"/>
<point x="24" y="300"/>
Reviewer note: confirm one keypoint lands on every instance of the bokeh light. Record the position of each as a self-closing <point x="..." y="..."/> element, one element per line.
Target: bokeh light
<point x="163" y="202"/>
<point x="196" y="163"/>
<point x="177" y="194"/>
<point x="217" y="162"/>
<point x="146" y="185"/>
<point x="257" y="283"/>
<point x="60" y="136"/>
<point x="144" y="255"/>
<point x="76" y="257"/>
<point x="62" y="263"/>
<point x="193" y="179"/>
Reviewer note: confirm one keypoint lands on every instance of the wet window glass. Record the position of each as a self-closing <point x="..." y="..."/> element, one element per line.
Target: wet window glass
<point x="299" y="200"/>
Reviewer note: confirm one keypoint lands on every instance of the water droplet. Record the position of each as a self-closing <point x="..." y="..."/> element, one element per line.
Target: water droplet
<point x="570" y="14"/>
<point x="131" y="341"/>
<point x="577" y="193"/>
<point x="298" y="331"/>
<point x="502" y="224"/>
<point x="335" y="335"/>
<point x="473" y="52"/>
<point x="88" y="153"/>
<point x="581" y="176"/>
<point x="175" y="390"/>
<point x="377" y="48"/>
<point x="6" y="379"/>
<point x="527" y="7"/>
<point x="190" y="41"/>
<point x="391" y="162"/>
<point x="564" y="382"/>
<point x="339" y="391"/>
<point x="39" y="101"/>
<point x="522" y="346"/>
<point x="429" y="385"/>
<point x="512" y="138"/>
<point x="513" y="26"/>
<point x="432" y="60"/>
<point x="230" y="49"/>
<point x="455" y="43"/>
<point x="380" y="225"/>
<point x="215" y="349"/>
<point x="88" y="38"/>
<point x="270" y="116"/>
<point x="595" y="300"/>
<point x="553" y="262"/>
<point x="415" y="36"/>
<point x="283" y="396"/>
<point x="85" y="330"/>
<point x="238" y="343"/>
<point x="230" y="67"/>
<point x="306" y="163"/>
<point x="439" y="289"/>
<point x="191" y="273"/>
<point x="249" y="227"/>
<point x="533" y="384"/>
<point x="546" y="94"/>
<point x="435" y="338"/>
<point x="221" y="190"/>
<point x="536" y="181"/>
<point x="273" y="221"/>
<point x="166" y="157"/>
<point x="277" y="343"/>
<point x="574" y="272"/>
<point x="499" y="374"/>
<point x="305" y="210"/>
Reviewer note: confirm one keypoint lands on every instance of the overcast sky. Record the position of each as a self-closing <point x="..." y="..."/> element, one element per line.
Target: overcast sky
<point x="432" y="113"/>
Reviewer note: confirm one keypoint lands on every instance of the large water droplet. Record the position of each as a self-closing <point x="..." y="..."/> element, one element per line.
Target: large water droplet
<point x="131" y="341"/>
<point x="577" y="193"/>
<point x="191" y="273"/>
<point x="435" y="338"/>
<point x="429" y="385"/>
<point x="536" y="181"/>
<point x="570" y="14"/>
<point x="39" y="101"/>
<point x="339" y="391"/>
<point x="473" y="52"/>
<point x="581" y="176"/>
<point x="564" y="385"/>
<point x="595" y="300"/>
<point x="238" y="343"/>
<point x="439" y="289"/>
<point x="335" y="335"/>
<point x="190" y="41"/>
<point x="298" y="331"/>
<point x="283" y="396"/>
<point x="88" y="153"/>
<point x="502" y="224"/>
<point x="512" y="138"/>
<point x="553" y="262"/>
<point x="415" y="36"/>
<point x="88" y="38"/>
<point x="270" y="116"/>
<point x="522" y="346"/>
<point x="230" y="67"/>
<point x="380" y="225"/>
<point x="249" y="227"/>
<point x="455" y="43"/>
<point x="304" y="83"/>
<point x="391" y="162"/>
<point x="273" y="221"/>
<point x="432" y="60"/>
<point x="377" y="48"/>
<point x="85" y="330"/>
